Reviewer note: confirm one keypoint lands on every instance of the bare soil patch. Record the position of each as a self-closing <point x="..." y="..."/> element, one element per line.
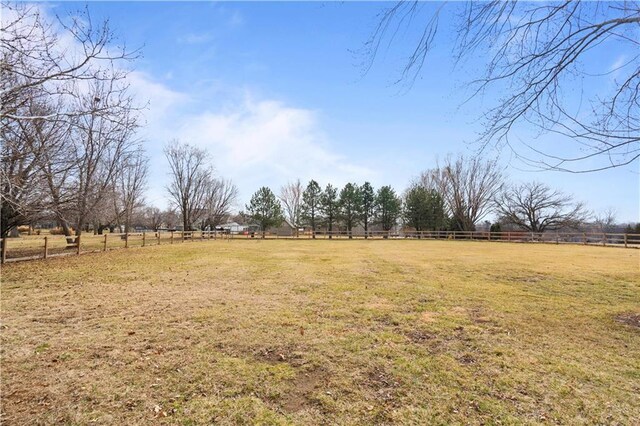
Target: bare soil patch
<point x="629" y="318"/>
<point x="300" y="393"/>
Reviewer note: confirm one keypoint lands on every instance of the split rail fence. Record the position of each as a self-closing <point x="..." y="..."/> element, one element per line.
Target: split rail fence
<point x="44" y="247"/>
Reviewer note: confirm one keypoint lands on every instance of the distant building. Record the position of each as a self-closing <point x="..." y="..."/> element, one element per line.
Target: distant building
<point x="233" y="228"/>
<point x="286" y="229"/>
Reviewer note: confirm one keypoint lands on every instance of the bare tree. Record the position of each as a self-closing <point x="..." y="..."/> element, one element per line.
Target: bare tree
<point x="152" y="217"/>
<point x="191" y="176"/>
<point x="537" y="208"/>
<point x="38" y="62"/>
<point x="171" y="218"/>
<point x="606" y="220"/>
<point x="62" y="101"/>
<point x="23" y="192"/>
<point x="291" y="199"/>
<point x="535" y="50"/>
<point x="131" y="183"/>
<point x="102" y="142"/>
<point x="467" y="186"/>
<point x="221" y="196"/>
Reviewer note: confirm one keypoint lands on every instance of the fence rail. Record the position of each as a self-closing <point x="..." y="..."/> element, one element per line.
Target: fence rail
<point x="44" y="247"/>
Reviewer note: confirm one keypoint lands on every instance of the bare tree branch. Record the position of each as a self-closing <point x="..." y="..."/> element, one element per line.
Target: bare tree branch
<point x="535" y="50"/>
<point x="537" y="208"/>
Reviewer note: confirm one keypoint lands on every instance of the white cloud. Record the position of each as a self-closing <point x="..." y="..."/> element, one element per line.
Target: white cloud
<point x="616" y="67"/>
<point x="162" y="102"/>
<point x="265" y="142"/>
<point x="254" y="142"/>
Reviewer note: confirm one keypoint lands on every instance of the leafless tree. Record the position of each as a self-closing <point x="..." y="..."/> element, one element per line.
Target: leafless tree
<point x="537" y="208"/>
<point x="40" y="56"/>
<point x="191" y="177"/>
<point x="102" y="141"/>
<point x="535" y="51"/>
<point x="467" y="186"/>
<point x="606" y="220"/>
<point x="221" y="196"/>
<point x="131" y="183"/>
<point x="291" y="198"/>
<point x="23" y="193"/>
<point x="171" y="218"/>
<point x="65" y="115"/>
<point x="152" y="217"/>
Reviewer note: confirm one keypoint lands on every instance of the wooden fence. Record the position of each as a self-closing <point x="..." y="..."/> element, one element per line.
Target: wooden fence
<point x="44" y="247"/>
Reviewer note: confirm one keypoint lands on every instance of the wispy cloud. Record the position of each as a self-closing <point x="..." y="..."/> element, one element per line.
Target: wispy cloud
<point x="266" y="142"/>
<point x="196" y="38"/>
<point x="236" y="19"/>
<point x="253" y="141"/>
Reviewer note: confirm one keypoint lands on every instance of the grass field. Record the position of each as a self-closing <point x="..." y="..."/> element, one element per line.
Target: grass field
<point x="342" y="332"/>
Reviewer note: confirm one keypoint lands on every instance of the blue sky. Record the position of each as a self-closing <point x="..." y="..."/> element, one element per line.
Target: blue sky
<point x="276" y="91"/>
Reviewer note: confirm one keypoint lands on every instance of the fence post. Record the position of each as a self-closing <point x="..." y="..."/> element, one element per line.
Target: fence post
<point x="78" y="244"/>
<point x="171" y="237"/>
<point x="3" y="257"/>
<point x="104" y="244"/>
<point x="46" y="246"/>
<point x="625" y="240"/>
<point x="126" y="240"/>
<point x="144" y="237"/>
<point x="604" y="239"/>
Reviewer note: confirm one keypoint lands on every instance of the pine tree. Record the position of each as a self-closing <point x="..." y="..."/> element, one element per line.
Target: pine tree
<point x="350" y="203"/>
<point x="388" y="207"/>
<point x="264" y="208"/>
<point x="329" y="206"/>
<point x="367" y="206"/>
<point x="311" y="205"/>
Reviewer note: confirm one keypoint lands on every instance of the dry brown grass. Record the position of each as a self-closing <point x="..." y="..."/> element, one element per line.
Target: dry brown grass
<point x="304" y="332"/>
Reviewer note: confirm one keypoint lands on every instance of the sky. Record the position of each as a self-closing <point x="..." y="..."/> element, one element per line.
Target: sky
<point x="278" y="91"/>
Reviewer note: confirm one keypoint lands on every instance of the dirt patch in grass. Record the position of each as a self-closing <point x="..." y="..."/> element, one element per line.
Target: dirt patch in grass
<point x="629" y="318"/>
<point x="467" y="359"/>
<point x="384" y="385"/>
<point x="427" y="316"/>
<point x="303" y="386"/>
<point x="277" y="354"/>
<point x="419" y="336"/>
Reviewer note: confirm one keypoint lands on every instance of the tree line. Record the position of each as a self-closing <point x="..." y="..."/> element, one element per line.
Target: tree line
<point x="454" y="195"/>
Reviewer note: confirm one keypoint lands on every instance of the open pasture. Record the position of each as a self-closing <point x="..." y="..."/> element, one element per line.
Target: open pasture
<point x="326" y="332"/>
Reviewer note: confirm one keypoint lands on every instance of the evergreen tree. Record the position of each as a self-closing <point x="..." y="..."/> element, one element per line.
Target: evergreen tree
<point x="367" y="206"/>
<point x="415" y="208"/>
<point x="388" y="207"/>
<point x="264" y="208"/>
<point x="329" y="206"/>
<point x="350" y="203"/>
<point x="424" y="209"/>
<point x="437" y="218"/>
<point x="311" y="205"/>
